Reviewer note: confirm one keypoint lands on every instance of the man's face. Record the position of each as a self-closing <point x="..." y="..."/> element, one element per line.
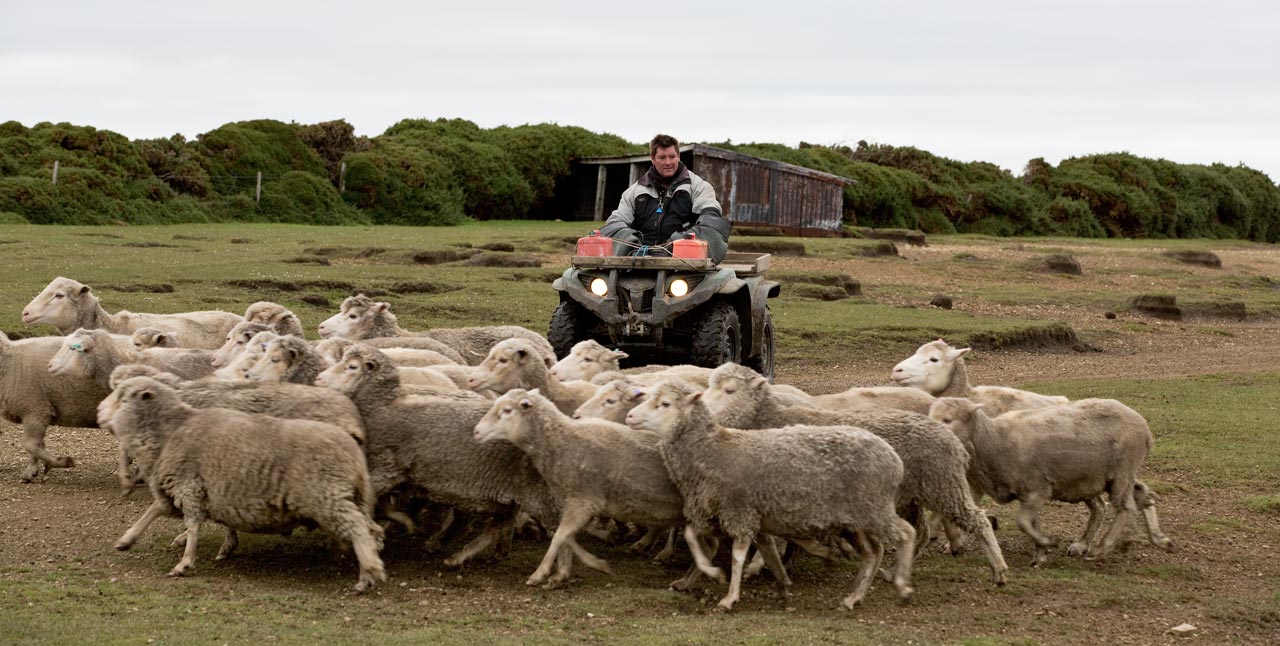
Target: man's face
<point x="666" y="160"/>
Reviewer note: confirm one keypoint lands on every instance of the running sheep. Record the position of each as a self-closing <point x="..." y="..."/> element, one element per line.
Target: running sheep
<point x="93" y="354"/>
<point x="800" y="483"/>
<point x="593" y="467"/>
<point x="515" y="363"/>
<point x="246" y="472"/>
<point x="1073" y="452"/>
<point x="935" y="462"/>
<point x="939" y="369"/>
<point x="276" y="317"/>
<point x="67" y="305"/>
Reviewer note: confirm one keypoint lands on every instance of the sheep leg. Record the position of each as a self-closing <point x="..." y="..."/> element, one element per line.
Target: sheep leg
<point x="692" y="575"/>
<point x="650" y="537"/>
<point x="157" y="509"/>
<point x="1145" y="500"/>
<point x="230" y="541"/>
<point x="127" y="481"/>
<point x="699" y="557"/>
<point x="902" y="574"/>
<point x="768" y="549"/>
<point x="576" y="514"/>
<point x="740" y="547"/>
<point x="1096" y="512"/>
<point x="33" y="441"/>
<point x="436" y="540"/>
<point x="588" y="559"/>
<point x="191" y="518"/>
<point x="668" y="550"/>
<point x="1028" y="522"/>
<point x="815" y="548"/>
<point x="871" y="552"/>
<point x="987" y="541"/>
<point x="1126" y="509"/>
<point x="490" y="535"/>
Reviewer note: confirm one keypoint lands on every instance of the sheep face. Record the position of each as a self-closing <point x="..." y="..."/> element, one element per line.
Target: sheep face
<point x="237" y="339"/>
<point x="275" y="362"/>
<point x="128" y="397"/>
<point x="664" y="408"/>
<point x="254" y="350"/>
<point x="346" y="375"/>
<point x="504" y="367"/>
<point x="733" y="387"/>
<point x="58" y="305"/>
<point x="357" y="317"/>
<point x="611" y="402"/>
<point x="956" y="414"/>
<point x="507" y="419"/>
<point x="586" y="360"/>
<point x="149" y="337"/>
<point x="930" y="368"/>
<point x="74" y="357"/>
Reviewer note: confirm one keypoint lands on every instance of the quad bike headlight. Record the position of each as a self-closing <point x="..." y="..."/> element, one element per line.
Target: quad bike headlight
<point x="679" y="287"/>
<point x="599" y="287"/>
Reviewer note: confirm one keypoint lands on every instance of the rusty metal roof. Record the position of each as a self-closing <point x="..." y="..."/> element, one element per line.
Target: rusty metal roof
<point x="720" y="153"/>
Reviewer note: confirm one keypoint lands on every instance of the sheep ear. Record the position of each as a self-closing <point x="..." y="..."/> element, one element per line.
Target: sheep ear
<point x="84" y="289"/>
<point x="146" y="394"/>
<point x="689" y="399"/>
<point x="293" y="354"/>
<point x="4" y="342"/>
<point x="956" y="353"/>
<point x="380" y="307"/>
<point x="619" y="354"/>
<point x="161" y="338"/>
<point x="758" y="383"/>
<point x="526" y="404"/>
<point x="370" y="366"/>
<point x="522" y="353"/>
<point x="535" y="391"/>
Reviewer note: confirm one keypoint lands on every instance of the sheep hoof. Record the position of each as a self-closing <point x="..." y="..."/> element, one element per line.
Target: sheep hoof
<point x="725" y="605"/>
<point x="1077" y="549"/>
<point x="123" y="545"/>
<point x="536" y="580"/>
<point x="65" y="462"/>
<point x="1167" y="545"/>
<point x="720" y="577"/>
<point x="904" y="593"/>
<point x="181" y="570"/>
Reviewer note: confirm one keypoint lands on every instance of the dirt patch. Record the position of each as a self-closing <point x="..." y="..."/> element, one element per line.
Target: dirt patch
<point x="905" y="236"/>
<point x="345" y="252"/>
<point x="99" y="235"/>
<point x="309" y="260"/>
<point x="156" y="245"/>
<point x="499" y="259"/>
<point x="1229" y="311"/>
<point x="1161" y="306"/>
<point x="818" y="292"/>
<point x="9" y="241"/>
<point x="758" y="230"/>
<point x="505" y="247"/>
<point x="848" y="283"/>
<point x="423" y="288"/>
<point x="442" y="256"/>
<point x="536" y="277"/>
<point x="241" y="241"/>
<point x="775" y="247"/>
<point x="158" y="288"/>
<point x="1202" y="258"/>
<point x="1063" y="264"/>
<point x="179" y="236"/>
<point x="1040" y="338"/>
<point x="880" y="248"/>
<point x="316" y="300"/>
<point x="256" y="284"/>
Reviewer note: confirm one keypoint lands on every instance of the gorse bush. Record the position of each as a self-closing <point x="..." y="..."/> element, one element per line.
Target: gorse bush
<point x="446" y="171"/>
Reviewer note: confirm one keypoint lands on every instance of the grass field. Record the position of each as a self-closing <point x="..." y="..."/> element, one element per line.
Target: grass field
<point x="1207" y="387"/>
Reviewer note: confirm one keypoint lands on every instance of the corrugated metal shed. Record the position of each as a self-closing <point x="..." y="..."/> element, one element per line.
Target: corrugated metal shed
<point x="751" y="190"/>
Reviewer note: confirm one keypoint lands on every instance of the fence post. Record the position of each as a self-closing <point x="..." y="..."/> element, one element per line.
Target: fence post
<point x="342" y="178"/>
<point x="55" y="172"/>
<point x="257" y="193"/>
<point x="601" y="175"/>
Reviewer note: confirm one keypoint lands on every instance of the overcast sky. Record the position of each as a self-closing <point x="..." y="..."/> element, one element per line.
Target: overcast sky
<point x="1194" y="82"/>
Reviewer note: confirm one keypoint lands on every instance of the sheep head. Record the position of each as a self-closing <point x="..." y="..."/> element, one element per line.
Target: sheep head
<point x="612" y="402"/>
<point x="355" y="320"/>
<point x="734" y="388"/>
<point x="509" y="365"/>
<point x="235" y="343"/>
<point x="59" y="304"/>
<point x="586" y="360"/>
<point x="667" y="406"/>
<point x="930" y="368"/>
<point x="75" y="357"/>
<point x="957" y="414"/>
<point x="509" y="418"/>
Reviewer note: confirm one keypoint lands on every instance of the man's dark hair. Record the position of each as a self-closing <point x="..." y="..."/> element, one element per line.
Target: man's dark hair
<point x="662" y="141"/>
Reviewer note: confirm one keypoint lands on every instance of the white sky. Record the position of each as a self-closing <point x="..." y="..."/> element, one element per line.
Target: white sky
<point x="998" y="81"/>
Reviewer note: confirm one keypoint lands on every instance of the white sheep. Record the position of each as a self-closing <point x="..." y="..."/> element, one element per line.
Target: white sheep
<point x="275" y="316"/>
<point x="248" y="356"/>
<point x="149" y="337"/>
<point x="938" y="369"/>
<point x="332" y="349"/>
<point x="799" y="483"/>
<point x="289" y="359"/>
<point x="362" y="318"/>
<point x="245" y="471"/>
<point x="593" y="467"/>
<point x="1073" y="452"/>
<point x="32" y="397"/>
<point x="93" y="354"/>
<point x="67" y="305"/>
<point x="515" y="363"/>
<point x="586" y="360"/>
<point x="236" y="341"/>
<point x="611" y="402"/>
<point x="909" y="399"/>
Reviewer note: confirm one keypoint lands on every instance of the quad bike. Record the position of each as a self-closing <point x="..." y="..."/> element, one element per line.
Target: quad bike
<point x="679" y="307"/>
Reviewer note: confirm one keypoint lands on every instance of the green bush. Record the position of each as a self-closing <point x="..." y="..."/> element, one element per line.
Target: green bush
<point x="304" y="198"/>
<point x="9" y="217"/>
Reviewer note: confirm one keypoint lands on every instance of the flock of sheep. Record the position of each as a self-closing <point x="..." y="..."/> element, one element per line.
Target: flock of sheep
<point x="241" y="422"/>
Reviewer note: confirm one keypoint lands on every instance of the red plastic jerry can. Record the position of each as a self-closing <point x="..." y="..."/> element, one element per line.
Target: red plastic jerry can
<point x="690" y="247"/>
<point x="594" y="245"/>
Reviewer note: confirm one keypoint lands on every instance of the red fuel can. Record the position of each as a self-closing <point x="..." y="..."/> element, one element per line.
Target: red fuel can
<point x="690" y="247"/>
<point x="594" y="245"/>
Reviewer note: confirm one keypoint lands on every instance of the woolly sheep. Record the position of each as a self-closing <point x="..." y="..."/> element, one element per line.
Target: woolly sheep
<point x="934" y="461"/>
<point x="239" y="366"/>
<point x="908" y="399"/>
<point x="1073" y="452"/>
<point x="93" y="354"/>
<point x="515" y="363"/>
<point x="332" y="349"/>
<point x="361" y="318"/>
<point x="32" y="397"/>
<point x="654" y="374"/>
<point x="427" y="444"/>
<point x="290" y="359"/>
<point x="611" y="402"/>
<point x="247" y="472"/>
<point x="236" y="341"/>
<point x="800" y="482"/>
<point x="275" y="316"/>
<point x="149" y="337"/>
<point x="67" y="305"/>
<point x="586" y="360"/>
<point x="593" y="467"/>
<point x="938" y="369"/>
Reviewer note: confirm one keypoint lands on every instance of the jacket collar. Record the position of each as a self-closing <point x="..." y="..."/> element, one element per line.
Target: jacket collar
<point x="651" y="178"/>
